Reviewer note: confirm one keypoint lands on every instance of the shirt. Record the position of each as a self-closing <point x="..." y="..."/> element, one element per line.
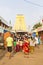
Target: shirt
<point x="14" y="43"/>
<point x="36" y="40"/>
<point x="9" y="41"/>
<point x="31" y="43"/>
<point x="21" y="43"/>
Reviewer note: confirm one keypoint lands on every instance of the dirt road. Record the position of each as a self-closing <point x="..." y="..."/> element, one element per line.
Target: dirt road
<point x="18" y="59"/>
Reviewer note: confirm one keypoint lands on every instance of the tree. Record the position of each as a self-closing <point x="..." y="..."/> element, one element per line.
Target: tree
<point x="37" y="25"/>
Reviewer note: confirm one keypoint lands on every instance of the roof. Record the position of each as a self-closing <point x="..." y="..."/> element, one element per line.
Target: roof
<point x="3" y="21"/>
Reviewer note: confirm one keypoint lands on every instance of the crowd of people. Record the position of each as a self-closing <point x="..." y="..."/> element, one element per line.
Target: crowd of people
<point x="21" y="43"/>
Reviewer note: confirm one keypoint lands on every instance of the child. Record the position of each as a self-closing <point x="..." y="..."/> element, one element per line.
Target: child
<point x="32" y="45"/>
<point x="21" y="44"/>
<point x="18" y="46"/>
<point x="14" y="45"/>
<point x="9" y="42"/>
<point x="36" y="41"/>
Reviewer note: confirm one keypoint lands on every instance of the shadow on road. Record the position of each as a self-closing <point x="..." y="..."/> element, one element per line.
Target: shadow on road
<point x="2" y="53"/>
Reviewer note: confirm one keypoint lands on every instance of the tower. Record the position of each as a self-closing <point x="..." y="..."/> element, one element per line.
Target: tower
<point x="20" y="23"/>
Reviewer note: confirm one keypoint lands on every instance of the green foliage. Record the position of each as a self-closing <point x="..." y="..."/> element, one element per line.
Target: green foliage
<point x="37" y="25"/>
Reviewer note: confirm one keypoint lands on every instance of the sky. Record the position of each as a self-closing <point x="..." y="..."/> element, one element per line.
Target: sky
<point x="31" y="9"/>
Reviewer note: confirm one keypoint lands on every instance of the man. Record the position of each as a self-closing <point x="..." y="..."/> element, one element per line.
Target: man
<point x="9" y="41"/>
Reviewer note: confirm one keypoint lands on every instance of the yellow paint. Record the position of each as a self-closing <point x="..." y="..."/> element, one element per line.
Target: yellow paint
<point x="20" y="23"/>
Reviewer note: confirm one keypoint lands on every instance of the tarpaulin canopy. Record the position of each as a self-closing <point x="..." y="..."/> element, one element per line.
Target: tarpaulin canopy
<point x="40" y="28"/>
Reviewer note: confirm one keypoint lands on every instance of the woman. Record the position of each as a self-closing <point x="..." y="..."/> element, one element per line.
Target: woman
<point x="26" y="45"/>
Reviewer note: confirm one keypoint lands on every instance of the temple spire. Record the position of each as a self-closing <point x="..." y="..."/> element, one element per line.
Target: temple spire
<point x="20" y="23"/>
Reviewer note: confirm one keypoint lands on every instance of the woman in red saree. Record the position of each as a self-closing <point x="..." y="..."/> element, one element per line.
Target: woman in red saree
<point x="26" y="45"/>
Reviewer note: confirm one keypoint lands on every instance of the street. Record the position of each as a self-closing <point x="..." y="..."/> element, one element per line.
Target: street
<point x="19" y="58"/>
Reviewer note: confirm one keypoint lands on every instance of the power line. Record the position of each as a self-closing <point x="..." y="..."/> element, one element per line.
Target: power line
<point x="33" y="3"/>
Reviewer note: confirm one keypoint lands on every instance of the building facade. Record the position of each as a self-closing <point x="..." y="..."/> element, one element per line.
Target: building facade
<point x="4" y="26"/>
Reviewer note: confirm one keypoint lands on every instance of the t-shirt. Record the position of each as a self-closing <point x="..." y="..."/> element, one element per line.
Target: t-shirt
<point x="31" y="43"/>
<point x="36" y="40"/>
<point x="21" y="43"/>
<point x="9" y="41"/>
<point x="14" y="43"/>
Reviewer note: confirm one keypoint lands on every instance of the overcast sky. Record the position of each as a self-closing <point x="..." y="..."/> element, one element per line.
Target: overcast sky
<point x="31" y="9"/>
